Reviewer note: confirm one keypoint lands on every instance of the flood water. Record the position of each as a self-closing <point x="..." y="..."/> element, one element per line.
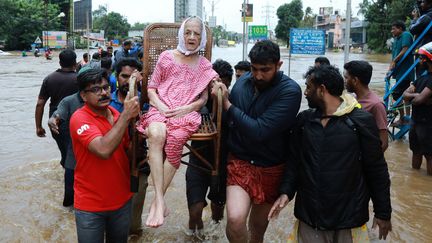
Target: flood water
<point x="31" y="179"/>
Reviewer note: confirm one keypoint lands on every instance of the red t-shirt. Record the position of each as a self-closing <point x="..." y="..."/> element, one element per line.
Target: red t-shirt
<point x="373" y="104"/>
<point x="100" y="185"/>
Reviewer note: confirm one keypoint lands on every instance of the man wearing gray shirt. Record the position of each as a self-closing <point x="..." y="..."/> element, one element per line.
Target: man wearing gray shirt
<point x="59" y="124"/>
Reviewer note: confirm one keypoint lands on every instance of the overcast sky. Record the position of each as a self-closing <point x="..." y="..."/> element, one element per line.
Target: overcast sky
<point x="226" y="11"/>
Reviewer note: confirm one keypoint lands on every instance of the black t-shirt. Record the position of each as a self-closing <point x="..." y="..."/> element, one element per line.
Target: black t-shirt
<point x="58" y="85"/>
<point x="423" y="112"/>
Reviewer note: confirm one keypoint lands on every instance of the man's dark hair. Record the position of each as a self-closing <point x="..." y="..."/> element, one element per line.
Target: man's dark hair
<point x="67" y="58"/>
<point x="127" y="42"/>
<point x="85" y="55"/>
<point x="224" y="69"/>
<point x="103" y="54"/>
<point x="91" y="76"/>
<point x="399" y="24"/>
<point x="106" y="63"/>
<point x="129" y="61"/>
<point x="360" y="69"/>
<point x="243" y="65"/>
<point x="322" y="60"/>
<point x="96" y="56"/>
<point x="327" y="75"/>
<point x="264" y="52"/>
<point x="109" y="48"/>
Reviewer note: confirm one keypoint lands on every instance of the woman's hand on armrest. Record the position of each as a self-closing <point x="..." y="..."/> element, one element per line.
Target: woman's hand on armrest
<point x="156" y="102"/>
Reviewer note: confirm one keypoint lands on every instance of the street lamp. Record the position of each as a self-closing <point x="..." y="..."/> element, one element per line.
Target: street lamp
<point x="60" y="15"/>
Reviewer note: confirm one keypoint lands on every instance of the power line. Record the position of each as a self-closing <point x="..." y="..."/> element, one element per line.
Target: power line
<point x="268" y="14"/>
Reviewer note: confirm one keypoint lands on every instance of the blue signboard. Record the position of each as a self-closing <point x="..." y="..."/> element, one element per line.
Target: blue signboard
<point x="307" y="41"/>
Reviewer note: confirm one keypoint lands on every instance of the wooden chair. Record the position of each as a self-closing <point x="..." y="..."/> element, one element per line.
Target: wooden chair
<point x="159" y="37"/>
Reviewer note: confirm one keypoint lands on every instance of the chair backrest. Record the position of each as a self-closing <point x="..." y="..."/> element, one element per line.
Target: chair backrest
<point x="159" y="37"/>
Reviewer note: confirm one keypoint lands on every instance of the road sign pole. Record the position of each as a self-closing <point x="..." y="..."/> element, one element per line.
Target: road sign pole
<point x="244" y="30"/>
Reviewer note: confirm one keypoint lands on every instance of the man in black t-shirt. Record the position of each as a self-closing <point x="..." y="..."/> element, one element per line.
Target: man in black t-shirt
<point x="55" y="87"/>
<point x="420" y="95"/>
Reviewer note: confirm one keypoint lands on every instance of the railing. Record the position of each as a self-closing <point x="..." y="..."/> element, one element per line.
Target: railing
<point x="391" y="114"/>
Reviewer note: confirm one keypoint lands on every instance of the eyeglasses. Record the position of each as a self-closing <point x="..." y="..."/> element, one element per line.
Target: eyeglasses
<point x="98" y="89"/>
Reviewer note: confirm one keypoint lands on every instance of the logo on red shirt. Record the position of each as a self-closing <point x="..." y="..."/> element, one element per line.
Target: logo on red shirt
<point x="82" y="129"/>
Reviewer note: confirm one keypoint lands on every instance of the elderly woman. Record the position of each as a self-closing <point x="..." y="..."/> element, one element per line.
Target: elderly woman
<point x="177" y="90"/>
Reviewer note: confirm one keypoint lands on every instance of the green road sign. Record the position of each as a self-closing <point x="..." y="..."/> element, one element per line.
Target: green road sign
<point x="258" y="32"/>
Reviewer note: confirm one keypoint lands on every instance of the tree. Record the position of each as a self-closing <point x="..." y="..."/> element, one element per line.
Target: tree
<point x="114" y="24"/>
<point x="290" y="15"/>
<point x="100" y="12"/>
<point x="308" y="19"/>
<point x="139" y="26"/>
<point x="380" y="15"/>
<point x="24" y="20"/>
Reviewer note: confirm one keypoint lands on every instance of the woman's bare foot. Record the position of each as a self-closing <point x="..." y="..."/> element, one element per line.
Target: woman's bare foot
<point x="158" y="211"/>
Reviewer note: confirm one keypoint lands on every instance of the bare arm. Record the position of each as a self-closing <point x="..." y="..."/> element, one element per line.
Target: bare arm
<point x="407" y="94"/>
<point x="418" y="98"/>
<point x="53" y="123"/>
<point x="398" y="57"/>
<point x="186" y="109"/>
<point x="384" y="139"/>
<point x="40" y="131"/>
<point x="422" y="98"/>
<point x="104" y="146"/>
<point x="156" y="102"/>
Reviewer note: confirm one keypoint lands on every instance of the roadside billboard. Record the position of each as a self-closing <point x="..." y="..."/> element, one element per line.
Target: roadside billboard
<point x="258" y="32"/>
<point x="248" y="10"/>
<point x="307" y="41"/>
<point x="55" y="39"/>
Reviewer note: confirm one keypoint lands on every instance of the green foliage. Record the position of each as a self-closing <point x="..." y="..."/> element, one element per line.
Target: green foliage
<point x="380" y="15"/>
<point x="219" y="33"/>
<point x="24" y="20"/>
<point x="290" y="15"/>
<point x="308" y="19"/>
<point x="139" y="26"/>
<point x="114" y="24"/>
<point x="100" y="12"/>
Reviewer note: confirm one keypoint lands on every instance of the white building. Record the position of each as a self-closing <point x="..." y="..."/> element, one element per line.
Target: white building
<point x="187" y="8"/>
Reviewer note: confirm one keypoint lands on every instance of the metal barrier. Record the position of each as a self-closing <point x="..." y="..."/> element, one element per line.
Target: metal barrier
<point x="399" y="131"/>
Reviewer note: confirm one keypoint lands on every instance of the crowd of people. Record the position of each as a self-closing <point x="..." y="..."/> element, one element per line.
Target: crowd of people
<point x="329" y="158"/>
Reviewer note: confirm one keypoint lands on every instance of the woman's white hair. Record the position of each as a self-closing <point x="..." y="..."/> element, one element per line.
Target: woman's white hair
<point x="181" y="47"/>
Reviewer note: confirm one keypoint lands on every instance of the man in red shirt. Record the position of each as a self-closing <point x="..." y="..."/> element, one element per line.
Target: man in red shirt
<point x="357" y="76"/>
<point x="100" y="142"/>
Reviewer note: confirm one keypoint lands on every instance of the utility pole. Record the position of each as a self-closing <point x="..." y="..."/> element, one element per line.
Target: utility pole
<point x="71" y="40"/>
<point x="46" y="25"/>
<point x="88" y="34"/>
<point x="347" y="31"/>
<point x="212" y="8"/>
<point x="268" y="14"/>
<point x="245" y="30"/>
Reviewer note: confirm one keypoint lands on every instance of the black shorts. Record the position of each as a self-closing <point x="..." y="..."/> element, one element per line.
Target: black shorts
<point x="420" y="141"/>
<point x="198" y="182"/>
<point x="398" y="91"/>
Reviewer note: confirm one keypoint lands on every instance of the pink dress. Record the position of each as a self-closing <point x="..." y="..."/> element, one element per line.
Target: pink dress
<point x="177" y="85"/>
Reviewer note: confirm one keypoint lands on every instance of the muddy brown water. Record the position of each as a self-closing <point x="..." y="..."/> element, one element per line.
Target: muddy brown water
<point x="31" y="179"/>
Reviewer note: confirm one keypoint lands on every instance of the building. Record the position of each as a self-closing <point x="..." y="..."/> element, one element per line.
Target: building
<point x="212" y="21"/>
<point x="331" y="23"/>
<point x="82" y="9"/>
<point x="187" y="8"/>
<point x="334" y="25"/>
<point x="358" y="34"/>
